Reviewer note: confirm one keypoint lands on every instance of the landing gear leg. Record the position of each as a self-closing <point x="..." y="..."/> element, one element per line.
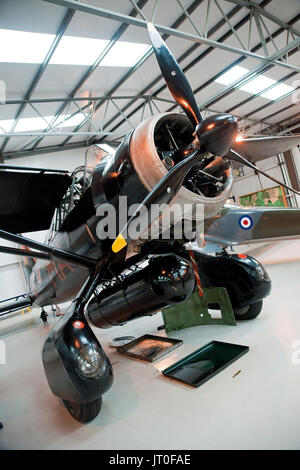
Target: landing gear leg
<point x="76" y="367"/>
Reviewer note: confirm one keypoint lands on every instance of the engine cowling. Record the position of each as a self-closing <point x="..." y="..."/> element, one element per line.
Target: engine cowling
<point x="144" y="158"/>
<point x="147" y="147"/>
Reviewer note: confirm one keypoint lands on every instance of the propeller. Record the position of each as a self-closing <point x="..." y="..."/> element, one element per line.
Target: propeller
<point x="174" y="76"/>
<point x="163" y="193"/>
<point x="216" y="135"/>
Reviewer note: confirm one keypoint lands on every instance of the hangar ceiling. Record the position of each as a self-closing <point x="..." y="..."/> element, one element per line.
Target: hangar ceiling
<point x="88" y="73"/>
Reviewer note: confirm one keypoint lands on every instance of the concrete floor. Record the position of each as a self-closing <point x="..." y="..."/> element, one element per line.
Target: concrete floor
<point x="257" y="409"/>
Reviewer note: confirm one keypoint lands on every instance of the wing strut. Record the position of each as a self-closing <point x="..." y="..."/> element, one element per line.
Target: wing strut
<point x="45" y="251"/>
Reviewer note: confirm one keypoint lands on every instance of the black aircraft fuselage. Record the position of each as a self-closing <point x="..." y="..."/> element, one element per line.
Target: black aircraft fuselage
<point x="171" y="160"/>
<point x="55" y="282"/>
<point x="132" y="172"/>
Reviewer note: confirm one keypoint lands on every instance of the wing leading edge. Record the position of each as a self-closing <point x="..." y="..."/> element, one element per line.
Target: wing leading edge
<point x="259" y="148"/>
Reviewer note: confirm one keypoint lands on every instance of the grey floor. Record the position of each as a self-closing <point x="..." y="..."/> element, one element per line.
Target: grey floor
<point x="257" y="409"/>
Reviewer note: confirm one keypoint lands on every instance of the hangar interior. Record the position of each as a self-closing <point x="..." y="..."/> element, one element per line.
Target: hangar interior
<point x="78" y="73"/>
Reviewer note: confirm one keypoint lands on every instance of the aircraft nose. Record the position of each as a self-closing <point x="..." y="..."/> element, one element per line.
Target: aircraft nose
<point x="217" y="133"/>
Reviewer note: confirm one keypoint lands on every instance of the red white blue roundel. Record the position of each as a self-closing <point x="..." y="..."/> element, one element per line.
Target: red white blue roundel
<point x="245" y="222"/>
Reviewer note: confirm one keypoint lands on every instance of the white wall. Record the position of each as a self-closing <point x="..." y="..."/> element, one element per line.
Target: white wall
<point x="253" y="183"/>
<point x="12" y="282"/>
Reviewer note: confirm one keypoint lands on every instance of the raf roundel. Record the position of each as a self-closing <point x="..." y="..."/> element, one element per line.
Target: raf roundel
<point x="245" y="222"/>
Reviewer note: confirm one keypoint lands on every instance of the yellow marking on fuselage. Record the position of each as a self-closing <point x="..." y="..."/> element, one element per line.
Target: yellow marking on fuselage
<point x="119" y="243"/>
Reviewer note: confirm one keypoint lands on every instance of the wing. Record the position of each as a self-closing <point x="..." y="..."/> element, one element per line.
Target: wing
<point x="258" y="148"/>
<point x="237" y="225"/>
<point x="28" y="199"/>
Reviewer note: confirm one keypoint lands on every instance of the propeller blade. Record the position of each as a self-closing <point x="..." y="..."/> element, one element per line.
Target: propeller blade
<point x="174" y="76"/>
<point x="258" y="148"/>
<point x="233" y="155"/>
<point x="165" y="190"/>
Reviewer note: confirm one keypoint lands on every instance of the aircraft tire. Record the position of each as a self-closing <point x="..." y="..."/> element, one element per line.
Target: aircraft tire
<point x="252" y="311"/>
<point x="84" y="412"/>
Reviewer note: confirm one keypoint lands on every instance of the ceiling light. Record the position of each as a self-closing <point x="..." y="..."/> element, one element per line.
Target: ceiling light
<point x="232" y="75"/>
<point x="78" y="51"/>
<point x="32" y="48"/>
<point x="37" y="123"/>
<point x="124" y="54"/>
<point x="24" y="47"/>
<point x="256" y="85"/>
<point x="278" y="91"/>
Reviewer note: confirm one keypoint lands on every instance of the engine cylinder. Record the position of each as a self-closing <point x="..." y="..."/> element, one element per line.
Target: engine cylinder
<point x="166" y="280"/>
<point x="145" y="144"/>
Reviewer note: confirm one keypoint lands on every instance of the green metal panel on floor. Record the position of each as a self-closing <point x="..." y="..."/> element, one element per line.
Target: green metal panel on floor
<point x="194" y="312"/>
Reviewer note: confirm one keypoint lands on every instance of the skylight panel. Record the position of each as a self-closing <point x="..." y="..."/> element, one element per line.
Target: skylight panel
<point x="256" y="85"/>
<point x="29" y="124"/>
<point x="78" y="51"/>
<point x="232" y="75"/>
<point x="28" y="47"/>
<point x="278" y="91"/>
<point x="124" y="54"/>
<point x="71" y="122"/>
<point x="37" y="123"/>
<point x="24" y="47"/>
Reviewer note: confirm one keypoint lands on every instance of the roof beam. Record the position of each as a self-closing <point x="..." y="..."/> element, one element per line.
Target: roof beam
<point x="267" y="105"/>
<point x="84" y="98"/>
<point x="176" y="24"/>
<point x="253" y="97"/>
<point x="62" y="28"/>
<point x="54" y="134"/>
<point x="195" y="61"/>
<point x="93" y="67"/>
<point x="237" y="62"/>
<point x="265" y="13"/>
<point x="233" y="87"/>
<point x="273" y="59"/>
<point x="41" y="150"/>
<point x="55" y="130"/>
<point x="47" y="149"/>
